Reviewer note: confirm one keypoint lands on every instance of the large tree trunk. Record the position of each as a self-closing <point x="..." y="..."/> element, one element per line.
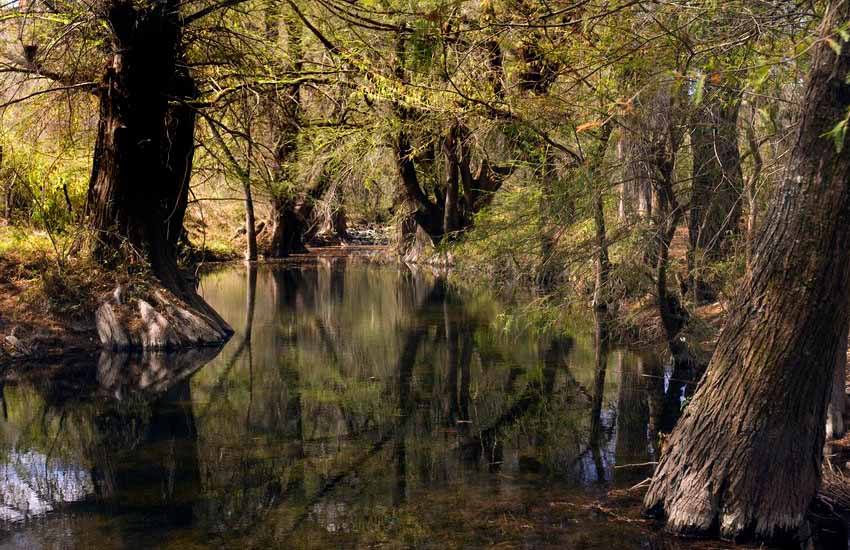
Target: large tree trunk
<point x="293" y="219"/>
<point x="288" y="229"/>
<point x="717" y="179"/>
<point x="143" y="155"/>
<point x="288" y="224"/>
<point x="451" y="209"/>
<point x="636" y="189"/>
<point x="745" y="459"/>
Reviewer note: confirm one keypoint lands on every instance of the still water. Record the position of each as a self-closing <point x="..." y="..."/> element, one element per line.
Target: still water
<point x="357" y="405"/>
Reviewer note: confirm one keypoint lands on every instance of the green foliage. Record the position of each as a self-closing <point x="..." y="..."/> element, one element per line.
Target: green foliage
<point x="839" y="132"/>
<point x="53" y="190"/>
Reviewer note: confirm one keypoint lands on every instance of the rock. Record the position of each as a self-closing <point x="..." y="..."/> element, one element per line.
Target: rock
<point x="15" y="347"/>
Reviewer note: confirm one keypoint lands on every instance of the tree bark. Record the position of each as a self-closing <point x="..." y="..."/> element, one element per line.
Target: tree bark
<point x="288" y="229"/>
<point x="288" y="224"/>
<point x="451" y="210"/>
<point x="601" y="296"/>
<point x="751" y="189"/>
<point x="636" y="189"/>
<point x="250" y="225"/>
<point x="744" y="461"/>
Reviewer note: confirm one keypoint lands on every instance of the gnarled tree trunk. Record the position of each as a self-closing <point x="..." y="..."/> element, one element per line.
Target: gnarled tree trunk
<point x="293" y="219"/>
<point x="745" y="459"/>
<point x="143" y="154"/>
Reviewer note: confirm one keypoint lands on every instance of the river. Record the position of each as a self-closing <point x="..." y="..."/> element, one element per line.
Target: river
<point x="358" y="405"/>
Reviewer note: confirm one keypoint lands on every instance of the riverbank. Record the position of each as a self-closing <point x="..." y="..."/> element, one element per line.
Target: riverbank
<point x="45" y="312"/>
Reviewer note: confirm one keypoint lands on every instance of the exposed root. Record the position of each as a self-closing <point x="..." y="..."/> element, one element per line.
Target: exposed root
<point x="155" y="320"/>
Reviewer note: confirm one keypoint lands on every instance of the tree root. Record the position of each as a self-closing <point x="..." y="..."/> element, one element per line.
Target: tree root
<point x="155" y="320"/>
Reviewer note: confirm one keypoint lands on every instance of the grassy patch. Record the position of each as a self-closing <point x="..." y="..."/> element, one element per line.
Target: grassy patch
<point x="23" y="244"/>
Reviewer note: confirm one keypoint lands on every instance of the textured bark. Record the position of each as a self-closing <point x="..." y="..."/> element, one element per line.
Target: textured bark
<point x="636" y="189"/>
<point x="601" y="296"/>
<point x="451" y="209"/>
<point x="751" y="189"/>
<point x="250" y="226"/>
<point x="138" y="175"/>
<point x="745" y="459"/>
<point x="288" y="229"/>
<point x="157" y="320"/>
<point x="290" y="213"/>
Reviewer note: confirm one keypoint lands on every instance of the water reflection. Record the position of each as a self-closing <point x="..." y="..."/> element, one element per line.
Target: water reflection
<point x="356" y="405"/>
<point x="122" y="439"/>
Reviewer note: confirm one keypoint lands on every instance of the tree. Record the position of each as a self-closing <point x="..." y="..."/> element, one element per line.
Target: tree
<point x="745" y="459"/>
<point x="143" y="155"/>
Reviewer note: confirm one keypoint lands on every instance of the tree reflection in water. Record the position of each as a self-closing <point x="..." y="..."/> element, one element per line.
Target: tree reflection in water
<point x="351" y="396"/>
